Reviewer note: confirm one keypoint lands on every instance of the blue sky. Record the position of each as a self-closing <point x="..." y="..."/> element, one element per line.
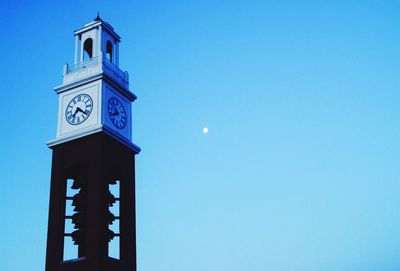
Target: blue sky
<point x="299" y="170"/>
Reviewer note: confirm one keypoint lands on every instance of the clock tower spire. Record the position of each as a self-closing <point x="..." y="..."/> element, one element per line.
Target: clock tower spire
<point x="92" y="195"/>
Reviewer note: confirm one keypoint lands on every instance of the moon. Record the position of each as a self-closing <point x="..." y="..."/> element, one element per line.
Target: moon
<point x="205" y="130"/>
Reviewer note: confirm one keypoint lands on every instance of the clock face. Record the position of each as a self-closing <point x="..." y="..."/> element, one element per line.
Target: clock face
<point x="117" y="113"/>
<point x="79" y="109"/>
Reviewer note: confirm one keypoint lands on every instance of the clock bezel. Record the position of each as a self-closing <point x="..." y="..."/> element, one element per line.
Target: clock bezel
<point x="113" y="121"/>
<point x="88" y="115"/>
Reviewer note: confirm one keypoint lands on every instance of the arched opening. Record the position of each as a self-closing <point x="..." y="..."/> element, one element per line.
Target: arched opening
<point x="114" y="229"/>
<point x="87" y="49"/>
<point x="75" y="218"/>
<point x="109" y="48"/>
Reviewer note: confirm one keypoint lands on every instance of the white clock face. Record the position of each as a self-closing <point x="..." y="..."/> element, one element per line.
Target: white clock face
<point x="79" y="109"/>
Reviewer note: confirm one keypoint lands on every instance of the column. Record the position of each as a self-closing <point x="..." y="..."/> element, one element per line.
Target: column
<point x="116" y="54"/>
<point x="76" y="49"/>
<point x="99" y="44"/>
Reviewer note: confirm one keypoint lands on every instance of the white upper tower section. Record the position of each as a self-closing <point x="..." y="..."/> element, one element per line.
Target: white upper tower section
<point x="94" y="95"/>
<point x="96" y="50"/>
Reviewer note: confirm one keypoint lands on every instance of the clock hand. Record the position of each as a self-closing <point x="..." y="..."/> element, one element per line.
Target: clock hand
<point x="76" y="111"/>
<point x="79" y="109"/>
<point x="116" y="112"/>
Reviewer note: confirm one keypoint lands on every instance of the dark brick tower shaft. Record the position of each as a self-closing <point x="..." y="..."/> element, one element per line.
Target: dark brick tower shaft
<point x="100" y="159"/>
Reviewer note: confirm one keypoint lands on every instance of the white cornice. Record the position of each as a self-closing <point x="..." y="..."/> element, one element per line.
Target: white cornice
<point x="100" y="75"/>
<point x="74" y="84"/>
<point x="92" y="130"/>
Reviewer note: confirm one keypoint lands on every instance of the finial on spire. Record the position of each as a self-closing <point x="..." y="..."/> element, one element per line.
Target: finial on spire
<point x="98" y="17"/>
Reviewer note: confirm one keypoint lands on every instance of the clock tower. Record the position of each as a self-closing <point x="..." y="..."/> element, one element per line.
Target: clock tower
<point x="92" y="195"/>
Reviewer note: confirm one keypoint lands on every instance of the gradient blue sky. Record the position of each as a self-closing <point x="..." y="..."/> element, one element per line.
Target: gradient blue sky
<point x="300" y="168"/>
